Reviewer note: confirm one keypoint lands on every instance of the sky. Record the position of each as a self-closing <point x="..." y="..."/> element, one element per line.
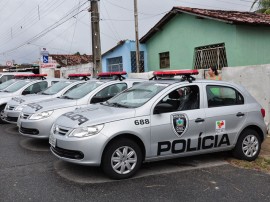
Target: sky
<point x="63" y="26"/>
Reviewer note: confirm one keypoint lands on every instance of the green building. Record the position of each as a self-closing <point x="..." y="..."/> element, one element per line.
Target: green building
<point x="191" y="38"/>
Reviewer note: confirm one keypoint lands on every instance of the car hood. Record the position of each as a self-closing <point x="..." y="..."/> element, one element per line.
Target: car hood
<point x="4" y="94"/>
<point x="93" y="115"/>
<point x="47" y="105"/>
<point x="28" y="99"/>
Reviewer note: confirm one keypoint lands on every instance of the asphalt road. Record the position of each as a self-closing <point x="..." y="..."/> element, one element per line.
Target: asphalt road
<point x="29" y="172"/>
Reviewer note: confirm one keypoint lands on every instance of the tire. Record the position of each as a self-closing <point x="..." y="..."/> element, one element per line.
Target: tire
<point x="113" y="151"/>
<point x="248" y="145"/>
<point x="2" y="107"/>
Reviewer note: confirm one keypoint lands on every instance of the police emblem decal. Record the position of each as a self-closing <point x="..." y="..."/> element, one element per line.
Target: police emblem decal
<point x="180" y="123"/>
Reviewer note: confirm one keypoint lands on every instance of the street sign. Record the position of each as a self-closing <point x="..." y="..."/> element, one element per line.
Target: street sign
<point x="48" y="65"/>
<point x="9" y="63"/>
<point x="45" y="59"/>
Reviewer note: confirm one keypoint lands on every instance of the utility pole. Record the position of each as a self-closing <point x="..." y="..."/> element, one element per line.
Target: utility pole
<point x="137" y="36"/>
<point x="96" y="49"/>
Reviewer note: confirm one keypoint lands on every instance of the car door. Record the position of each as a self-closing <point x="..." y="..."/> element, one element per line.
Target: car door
<point x="176" y="130"/>
<point x="225" y="114"/>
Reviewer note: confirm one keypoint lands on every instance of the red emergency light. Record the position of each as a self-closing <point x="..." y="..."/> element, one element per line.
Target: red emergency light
<point x="37" y="75"/>
<point x="176" y="73"/>
<point x="79" y="75"/>
<point x="110" y="74"/>
<point x="22" y="75"/>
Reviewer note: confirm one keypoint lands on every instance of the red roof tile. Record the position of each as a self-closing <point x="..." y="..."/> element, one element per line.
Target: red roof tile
<point x="71" y="60"/>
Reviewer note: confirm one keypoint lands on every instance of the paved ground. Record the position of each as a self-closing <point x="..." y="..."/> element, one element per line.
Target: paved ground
<point x="28" y="172"/>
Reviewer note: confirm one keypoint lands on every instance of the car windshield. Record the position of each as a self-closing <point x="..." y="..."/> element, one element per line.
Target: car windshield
<point x="16" y="86"/>
<point x="136" y="96"/>
<point x="6" y="84"/>
<point x="55" y="88"/>
<point x="82" y="90"/>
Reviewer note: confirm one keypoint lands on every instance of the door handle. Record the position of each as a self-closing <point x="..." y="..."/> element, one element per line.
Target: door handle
<point x="198" y="120"/>
<point x="239" y="114"/>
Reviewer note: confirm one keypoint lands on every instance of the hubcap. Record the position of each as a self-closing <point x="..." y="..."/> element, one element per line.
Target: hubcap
<point x="250" y="145"/>
<point x="124" y="160"/>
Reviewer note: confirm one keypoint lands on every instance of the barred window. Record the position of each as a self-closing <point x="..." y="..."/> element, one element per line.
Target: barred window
<point x="164" y="60"/>
<point x="210" y="56"/>
<point x="115" y="64"/>
<point x="133" y="61"/>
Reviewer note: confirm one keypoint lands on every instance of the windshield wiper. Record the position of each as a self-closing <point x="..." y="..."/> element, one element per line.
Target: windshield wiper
<point x="66" y="97"/>
<point x="114" y="104"/>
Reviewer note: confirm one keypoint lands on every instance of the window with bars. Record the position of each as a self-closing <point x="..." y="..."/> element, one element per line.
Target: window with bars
<point x="133" y="61"/>
<point x="115" y="64"/>
<point x="164" y="60"/>
<point x="210" y="56"/>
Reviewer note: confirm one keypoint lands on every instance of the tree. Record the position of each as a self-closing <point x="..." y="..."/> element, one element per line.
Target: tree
<point x="263" y="6"/>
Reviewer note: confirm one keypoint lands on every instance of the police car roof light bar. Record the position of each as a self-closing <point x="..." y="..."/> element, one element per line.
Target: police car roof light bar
<point x="117" y="75"/>
<point x="41" y="76"/>
<point x="28" y="76"/>
<point x="84" y="76"/>
<point x="186" y="74"/>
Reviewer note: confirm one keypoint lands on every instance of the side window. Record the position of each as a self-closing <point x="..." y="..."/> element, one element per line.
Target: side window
<point x="77" y="85"/>
<point x="218" y="96"/>
<point x="108" y="92"/>
<point x="43" y="85"/>
<point x="35" y="88"/>
<point x="181" y="99"/>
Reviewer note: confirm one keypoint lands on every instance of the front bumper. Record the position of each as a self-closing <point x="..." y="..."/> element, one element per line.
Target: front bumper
<point x="11" y="116"/>
<point x="36" y="128"/>
<point x="84" y="151"/>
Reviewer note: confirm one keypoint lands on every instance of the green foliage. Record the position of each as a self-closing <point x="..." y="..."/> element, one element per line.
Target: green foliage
<point x="263" y="6"/>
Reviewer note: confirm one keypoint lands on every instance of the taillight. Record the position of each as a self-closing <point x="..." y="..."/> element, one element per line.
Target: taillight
<point x="263" y="112"/>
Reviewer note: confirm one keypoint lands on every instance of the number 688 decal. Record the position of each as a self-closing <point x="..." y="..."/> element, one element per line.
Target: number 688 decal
<point x="141" y="122"/>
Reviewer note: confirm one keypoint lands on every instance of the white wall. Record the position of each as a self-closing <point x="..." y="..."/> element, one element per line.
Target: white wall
<point x="65" y="71"/>
<point x="256" y="79"/>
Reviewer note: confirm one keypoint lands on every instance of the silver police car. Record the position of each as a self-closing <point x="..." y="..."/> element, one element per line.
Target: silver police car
<point x="15" y="105"/>
<point x="33" y="83"/>
<point x="161" y="119"/>
<point x="36" y="119"/>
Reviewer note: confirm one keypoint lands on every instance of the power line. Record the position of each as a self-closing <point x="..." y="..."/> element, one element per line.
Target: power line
<point x="47" y="30"/>
<point x="114" y="31"/>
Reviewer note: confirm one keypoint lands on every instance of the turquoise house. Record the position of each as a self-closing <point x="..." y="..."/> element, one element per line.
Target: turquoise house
<point x="191" y="38"/>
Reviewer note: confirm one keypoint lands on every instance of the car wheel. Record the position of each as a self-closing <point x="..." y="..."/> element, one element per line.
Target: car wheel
<point x="248" y="145"/>
<point x="1" y="114"/>
<point x="122" y="159"/>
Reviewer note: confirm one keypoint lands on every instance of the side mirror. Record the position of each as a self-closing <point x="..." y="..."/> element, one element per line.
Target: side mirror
<point x="26" y="92"/>
<point x="163" y="108"/>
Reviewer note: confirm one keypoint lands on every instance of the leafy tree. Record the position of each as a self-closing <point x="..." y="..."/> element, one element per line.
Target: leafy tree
<point x="263" y="6"/>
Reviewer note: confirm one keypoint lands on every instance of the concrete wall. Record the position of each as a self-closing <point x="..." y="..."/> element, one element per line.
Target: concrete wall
<point x="78" y="69"/>
<point x="256" y="79"/>
<point x="65" y="71"/>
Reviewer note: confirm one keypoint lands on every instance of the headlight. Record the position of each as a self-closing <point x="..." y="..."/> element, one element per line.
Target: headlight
<point x="41" y="115"/>
<point x="86" y="131"/>
<point x="19" y="108"/>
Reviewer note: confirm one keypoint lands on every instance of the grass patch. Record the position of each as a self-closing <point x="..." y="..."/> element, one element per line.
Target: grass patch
<point x="260" y="164"/>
